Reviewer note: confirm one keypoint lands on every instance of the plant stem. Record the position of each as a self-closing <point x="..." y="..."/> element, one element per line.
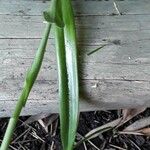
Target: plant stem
<point x="71" y="62"/>
<point x="29" y="81"/>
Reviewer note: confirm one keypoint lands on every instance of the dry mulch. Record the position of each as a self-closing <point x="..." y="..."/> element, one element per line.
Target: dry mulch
<point x="35" y="137"/>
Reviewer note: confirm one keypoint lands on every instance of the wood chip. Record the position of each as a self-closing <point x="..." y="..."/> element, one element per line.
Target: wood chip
<point x="36" y="117"/>
<point x="128" y="114"/>
<point x="139" y="124"/>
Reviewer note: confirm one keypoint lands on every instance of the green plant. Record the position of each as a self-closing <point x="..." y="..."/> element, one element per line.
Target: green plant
<point x="61" y="16"/>
<point x="29" y="81"/>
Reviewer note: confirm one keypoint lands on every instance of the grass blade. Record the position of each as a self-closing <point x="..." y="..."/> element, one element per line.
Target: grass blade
<point x="29" y="81"/>
<point x="63" y="86"/>
<point x="67" y="70"/>
<point x="63" y="77"/>
<point x="71" y="62"/>
<point x="54" y="16"/>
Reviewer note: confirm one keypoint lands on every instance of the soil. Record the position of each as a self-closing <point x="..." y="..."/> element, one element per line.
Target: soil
<point x="34" y="137"/>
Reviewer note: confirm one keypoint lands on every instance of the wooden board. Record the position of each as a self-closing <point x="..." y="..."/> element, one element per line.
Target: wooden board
<point x="117" y="76"/>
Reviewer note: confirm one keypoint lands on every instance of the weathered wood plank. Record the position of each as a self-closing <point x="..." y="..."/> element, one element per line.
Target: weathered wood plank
<point x="28" y="7"/>
<point x="95" y="95"/>
<point x="17" y="52"/>
<point x="89" y="71"/>
<point x="99" y="26"/>
<point x="36" y="7"/>
<point x="117" y="76"/>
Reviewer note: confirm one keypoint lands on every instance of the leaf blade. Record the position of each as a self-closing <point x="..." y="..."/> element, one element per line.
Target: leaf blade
<point x="29" y="81"/>
<point x="72" y="69"/>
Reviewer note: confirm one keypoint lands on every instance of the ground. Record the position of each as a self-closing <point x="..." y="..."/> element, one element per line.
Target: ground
<point x="34" y="136"/>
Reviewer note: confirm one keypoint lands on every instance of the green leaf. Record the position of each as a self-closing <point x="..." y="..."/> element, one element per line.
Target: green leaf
<point x="72" y="70"/>
<point x="66" y="51"/>
<point x="48" y="17"/>
<point x="29" y="81"/>
<point x="53" y="15"/>
<point x="63" y="80"/>
<point x="63" y="86"/>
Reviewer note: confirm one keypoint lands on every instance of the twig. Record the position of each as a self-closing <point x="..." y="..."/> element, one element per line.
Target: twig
<point x="81" y="137"/>
<point x="117" y="147"/>
<point x="20" y="135"/>
<point x="135" y="145"/>
<point x="85" y="146"/>
<point x="36" y="136"/>
<point x="95" y="50"/>
<point x="27" y="125"/>
<point x="130" y="132"/>
<point x="22" y="147"/>
<point x="93" y="145"/>
<point x="116" y="7"/>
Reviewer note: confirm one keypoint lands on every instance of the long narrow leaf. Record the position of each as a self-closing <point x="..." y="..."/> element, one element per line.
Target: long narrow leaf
<point x="63" y="86"/>
<point x="71" y="62"/>
<point x="67" y="71"/>
<point x="62" y="74"/>
<point x="29" y="81"/>
<point x="54" y="16"/>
